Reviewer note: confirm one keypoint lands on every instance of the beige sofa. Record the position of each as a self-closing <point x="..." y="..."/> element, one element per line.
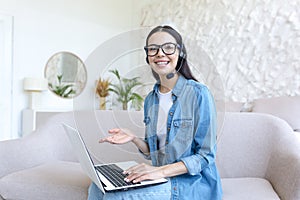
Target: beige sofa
<point x="258" y="157"/>
<point x="285" y="107"/>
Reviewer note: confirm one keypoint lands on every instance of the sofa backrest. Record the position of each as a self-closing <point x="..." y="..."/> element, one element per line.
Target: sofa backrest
<point x="92" y="125"/>
<point x="52" y="139"/>
<point x="287" y="108"/>
<point x="245" y="143"/>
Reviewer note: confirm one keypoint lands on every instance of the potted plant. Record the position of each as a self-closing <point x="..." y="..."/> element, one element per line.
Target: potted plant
<point x="124" y="91"/>
<point x="102" y="90"/>
<point x="61" y="89"/>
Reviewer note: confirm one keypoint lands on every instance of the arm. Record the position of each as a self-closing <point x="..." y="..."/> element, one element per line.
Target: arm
<point x="143" y="172"/>
<point x="204" y="133"/>
<point x="141" y="145"/>
<point x="174" y="169"/>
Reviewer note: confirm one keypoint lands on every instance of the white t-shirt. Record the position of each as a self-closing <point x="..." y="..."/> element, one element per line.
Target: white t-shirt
<point x="165" y="103"/>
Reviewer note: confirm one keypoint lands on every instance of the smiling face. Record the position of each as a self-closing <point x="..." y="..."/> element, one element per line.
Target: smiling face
<point x="161" y="63"/>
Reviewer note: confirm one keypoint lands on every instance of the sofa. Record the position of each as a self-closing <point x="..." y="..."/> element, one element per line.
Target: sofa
<point x="284" y="107"/>
<point x="257" y="157"/>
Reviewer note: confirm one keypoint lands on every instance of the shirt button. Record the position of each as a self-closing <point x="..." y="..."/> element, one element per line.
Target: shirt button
<point x="171" y="113"/>
<point x="175" y="188"/>
<point x="169" y="129"/>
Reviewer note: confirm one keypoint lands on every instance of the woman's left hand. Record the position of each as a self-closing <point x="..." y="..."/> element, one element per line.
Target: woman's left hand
<point x="143" y="172"/>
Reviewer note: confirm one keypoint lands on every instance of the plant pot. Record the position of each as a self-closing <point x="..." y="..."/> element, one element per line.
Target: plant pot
<point x="102" y="103"/>
<point x="124" y="106"/>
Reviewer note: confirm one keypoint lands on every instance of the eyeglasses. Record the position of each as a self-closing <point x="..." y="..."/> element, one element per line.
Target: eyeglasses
<point x="168" y="48"/>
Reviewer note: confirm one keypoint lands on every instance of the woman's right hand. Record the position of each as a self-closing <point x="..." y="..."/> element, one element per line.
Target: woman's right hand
<point x="118" y="136"/>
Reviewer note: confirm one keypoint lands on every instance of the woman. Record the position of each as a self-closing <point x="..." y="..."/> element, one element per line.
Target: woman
<point x="180" y="136"/>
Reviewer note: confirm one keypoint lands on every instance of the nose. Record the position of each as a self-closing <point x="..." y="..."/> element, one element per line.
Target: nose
<point x="160" y="52"/>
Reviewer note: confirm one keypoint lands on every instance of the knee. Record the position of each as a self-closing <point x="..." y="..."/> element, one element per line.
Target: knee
<point x="94" y="193"/>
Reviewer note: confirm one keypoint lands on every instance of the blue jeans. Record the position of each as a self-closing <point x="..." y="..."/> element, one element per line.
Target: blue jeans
<point x="155" y="192"/>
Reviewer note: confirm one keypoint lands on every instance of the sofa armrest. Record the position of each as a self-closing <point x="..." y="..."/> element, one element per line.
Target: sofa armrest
<point x="22" y="153"/>
<point x="47" y="143"/>
<point x="283" y="169"/>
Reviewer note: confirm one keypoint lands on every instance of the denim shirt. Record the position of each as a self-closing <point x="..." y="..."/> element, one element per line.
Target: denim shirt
<point x="191" y="138"/>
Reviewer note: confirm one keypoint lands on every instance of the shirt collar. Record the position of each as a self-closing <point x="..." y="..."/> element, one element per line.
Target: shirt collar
<point x="177" y="90"/>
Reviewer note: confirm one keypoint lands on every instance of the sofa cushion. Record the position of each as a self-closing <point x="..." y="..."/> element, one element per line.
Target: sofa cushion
<point x="248" y="188"/>
<point x="48" y="181"/>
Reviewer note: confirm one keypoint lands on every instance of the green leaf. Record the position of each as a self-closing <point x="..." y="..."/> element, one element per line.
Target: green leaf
<point x="124" y="89"/>
<point x="116" y="73"/>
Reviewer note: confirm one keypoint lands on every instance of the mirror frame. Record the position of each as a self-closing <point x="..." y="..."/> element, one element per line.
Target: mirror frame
<point x="73" y="83"/>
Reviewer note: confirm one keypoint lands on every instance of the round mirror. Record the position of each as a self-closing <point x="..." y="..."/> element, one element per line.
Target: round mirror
<point x="66" y="74"/>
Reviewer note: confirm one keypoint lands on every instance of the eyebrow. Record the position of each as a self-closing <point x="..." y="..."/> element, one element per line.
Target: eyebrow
<point x="161" y="44"/>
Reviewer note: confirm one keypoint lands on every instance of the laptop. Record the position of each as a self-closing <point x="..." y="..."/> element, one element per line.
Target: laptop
<point x="108" y="177"/>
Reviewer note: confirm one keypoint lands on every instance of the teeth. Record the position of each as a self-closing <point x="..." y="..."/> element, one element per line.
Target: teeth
<point x="162" y="63"/>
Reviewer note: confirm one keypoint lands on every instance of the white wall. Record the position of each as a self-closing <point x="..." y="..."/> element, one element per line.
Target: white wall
<point x="42" y="28"/>
<point x="254" y="44"/>
<point x="5" y="75"/>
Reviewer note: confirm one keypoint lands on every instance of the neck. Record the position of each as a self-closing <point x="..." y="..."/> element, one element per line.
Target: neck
<point x="167" y="84"/>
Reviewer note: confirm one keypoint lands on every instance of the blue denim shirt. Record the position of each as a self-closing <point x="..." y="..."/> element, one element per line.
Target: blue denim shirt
<point x="191" y="138"/>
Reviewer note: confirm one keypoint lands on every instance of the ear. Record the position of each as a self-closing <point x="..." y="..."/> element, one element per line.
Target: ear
<point x="147" y="60"/>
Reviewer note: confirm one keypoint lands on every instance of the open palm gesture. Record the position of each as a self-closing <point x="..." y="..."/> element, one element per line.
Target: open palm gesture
<point x="118" y="136"/>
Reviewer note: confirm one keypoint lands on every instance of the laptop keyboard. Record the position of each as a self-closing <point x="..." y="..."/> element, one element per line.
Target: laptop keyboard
<point x="114" y="174"/>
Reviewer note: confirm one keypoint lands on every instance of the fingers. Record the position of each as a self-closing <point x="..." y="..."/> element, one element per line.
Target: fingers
<point x="107" y="139"/>
<point x="136" y="177"/>
<point x="110" y="139"/>
<point x="114" y="130"/>
<point x="118" y="136"/>
<point x="138" y="173"/>
<point x="131" y="169"/>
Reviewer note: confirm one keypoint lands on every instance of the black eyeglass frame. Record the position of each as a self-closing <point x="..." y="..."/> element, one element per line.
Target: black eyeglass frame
<point x="160" y="47"/>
